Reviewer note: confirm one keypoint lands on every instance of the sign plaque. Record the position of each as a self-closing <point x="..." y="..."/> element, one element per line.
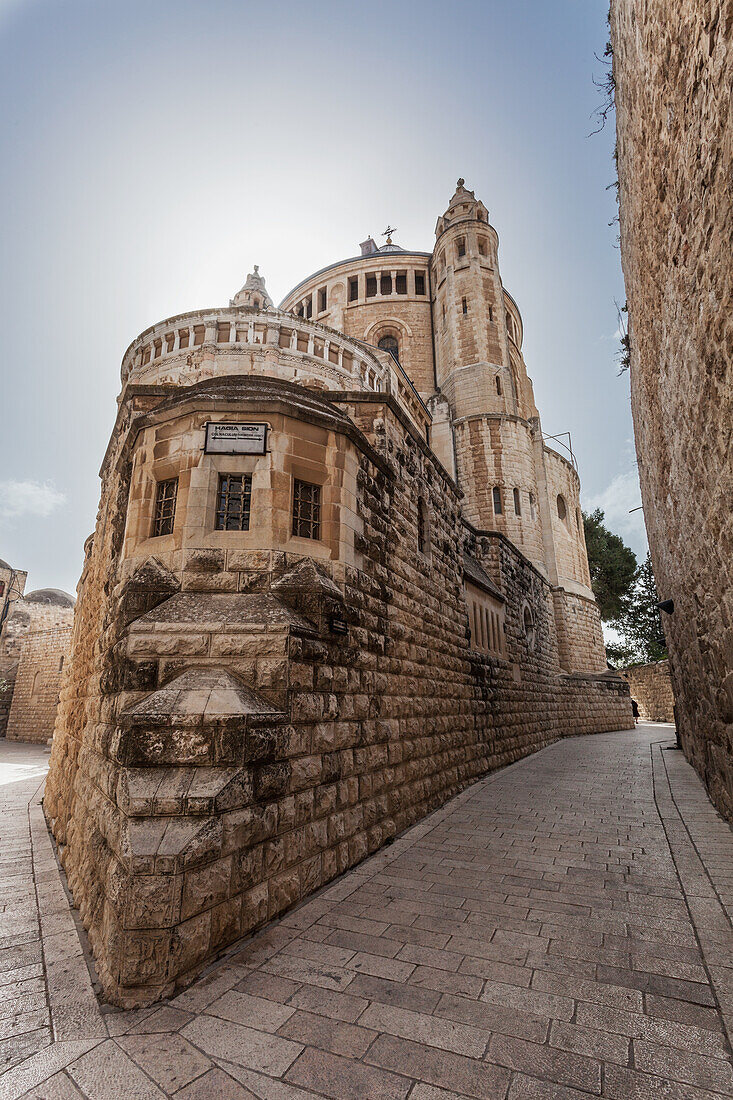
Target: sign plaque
<point x="338" y="625"/>
<point x="235" y="439"/>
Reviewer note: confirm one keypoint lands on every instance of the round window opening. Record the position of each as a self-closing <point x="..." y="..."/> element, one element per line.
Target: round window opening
<point x="528" y="626"/>
<point x="390" y="344"/>
<point x="561" y="507"/>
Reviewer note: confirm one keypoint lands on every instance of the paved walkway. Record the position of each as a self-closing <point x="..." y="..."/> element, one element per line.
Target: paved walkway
<point x="561" y="929"/>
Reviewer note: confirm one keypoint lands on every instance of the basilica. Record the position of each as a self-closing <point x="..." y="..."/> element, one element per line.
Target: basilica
<point x="338" y="573"/>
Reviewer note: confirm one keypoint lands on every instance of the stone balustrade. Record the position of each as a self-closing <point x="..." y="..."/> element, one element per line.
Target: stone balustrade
<point x="184" y="350"/>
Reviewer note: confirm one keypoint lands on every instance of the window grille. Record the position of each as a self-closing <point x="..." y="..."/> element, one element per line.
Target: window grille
<point x="401" y="283"/>
<point x="165" y="507"/>
<point x="233" y="502"/>
<point x="386" y="284"/>
<point x="371" y="286"/>
<point x="354" y="289"/>
<point x="306" y="510"/>
<point x="419" y="282"/>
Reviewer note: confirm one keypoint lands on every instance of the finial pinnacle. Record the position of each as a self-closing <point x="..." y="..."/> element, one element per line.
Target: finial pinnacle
<point x="461" y="182"/>
<point x="388" y="233"/>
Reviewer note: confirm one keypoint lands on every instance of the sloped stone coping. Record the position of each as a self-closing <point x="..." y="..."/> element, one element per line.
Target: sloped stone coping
<point x="239" y="612"/>
<point x="205" y="716"/>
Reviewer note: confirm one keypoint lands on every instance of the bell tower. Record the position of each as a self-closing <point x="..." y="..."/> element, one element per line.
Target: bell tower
<point x="481" y="372"/>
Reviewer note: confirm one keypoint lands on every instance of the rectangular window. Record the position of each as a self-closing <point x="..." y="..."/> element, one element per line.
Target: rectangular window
<point x="183" y="337"/>
<point x="306" y="510"/>
<point x="517" y="503"/>
<point x="233" y="502"/>
<point x="165" y="507"/>
<point x="491" y="315"/>
<point x="309" y="307"/>
<point x="222" y="333"/>
<point x="461" y="247"/>
<point x="386" y="287"/>
<point x="482" y="246"/>
<point x="371" y="286"/>
<point x="497" y="501"/>
<point x="354" y="289"/>
<point x="198" y="334"/>
<point x="419" y="282"/>
<point x="401" y="282"/>
<point x="464" y="304"/>
<point x="322" y="299"/>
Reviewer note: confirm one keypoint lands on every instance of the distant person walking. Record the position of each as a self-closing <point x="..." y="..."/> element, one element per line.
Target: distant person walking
<point x="635" y="710"/>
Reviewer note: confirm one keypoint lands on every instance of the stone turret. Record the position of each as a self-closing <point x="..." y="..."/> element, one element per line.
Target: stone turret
<point x="253" y="293"/>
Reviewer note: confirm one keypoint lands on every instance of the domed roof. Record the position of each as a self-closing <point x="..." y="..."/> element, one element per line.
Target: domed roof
<point x="52" y="596"/>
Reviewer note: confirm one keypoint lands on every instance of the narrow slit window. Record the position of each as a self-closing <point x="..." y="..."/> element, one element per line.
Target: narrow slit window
<point x="165" y="507"/>
<point x="498" y="385"/>
<point x="306" y="510"/>
<point x="517" y="503"/>
<point x="422" y="527"/>
<point x="464" y="305"/>
<point x="233" y="502"/>
<point x="497" y="501"/>
<point x="419" y="282"/>
<point x="491" y="315"/>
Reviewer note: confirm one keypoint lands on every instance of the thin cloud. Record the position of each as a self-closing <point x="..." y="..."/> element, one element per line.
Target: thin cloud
<point x="618" y="502"/>
<point x="29" y="498"/>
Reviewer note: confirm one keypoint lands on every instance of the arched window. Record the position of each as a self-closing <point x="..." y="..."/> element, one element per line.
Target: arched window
<point x="517" y="503"/>
<point x="498" y="385"/>
<point x="390" y="344"/>
<point x="496" y="494"/>
<point x="562" y="510"/>
<point x="532" y="512"/>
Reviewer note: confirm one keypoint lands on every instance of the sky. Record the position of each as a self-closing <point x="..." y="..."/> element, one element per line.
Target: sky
<point x="151" y="153"/>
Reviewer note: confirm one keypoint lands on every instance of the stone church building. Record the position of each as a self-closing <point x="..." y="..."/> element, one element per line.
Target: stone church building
<point x="337" y="575"/>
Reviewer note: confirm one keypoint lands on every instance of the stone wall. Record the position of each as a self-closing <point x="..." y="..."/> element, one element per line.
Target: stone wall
<point x="673" y="67"/>
<point x="37" y="684"/>
<point x="651" y="686"/>
<point x="8" y="672"/>
<point x="222" y="749"/>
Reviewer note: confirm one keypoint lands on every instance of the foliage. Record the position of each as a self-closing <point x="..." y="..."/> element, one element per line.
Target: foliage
<point x="639" y="624"/>
<point x="613" y="565"/>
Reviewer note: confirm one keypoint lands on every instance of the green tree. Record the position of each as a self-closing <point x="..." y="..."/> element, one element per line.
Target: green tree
<point x="613" y="565"/>
<point x="639" y="624"/>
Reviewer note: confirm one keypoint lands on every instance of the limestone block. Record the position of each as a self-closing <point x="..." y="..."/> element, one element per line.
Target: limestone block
<point x="205" y="887"/>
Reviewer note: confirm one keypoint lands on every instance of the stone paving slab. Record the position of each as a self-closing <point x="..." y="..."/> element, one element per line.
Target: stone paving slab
<point x="560" y="929"/>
